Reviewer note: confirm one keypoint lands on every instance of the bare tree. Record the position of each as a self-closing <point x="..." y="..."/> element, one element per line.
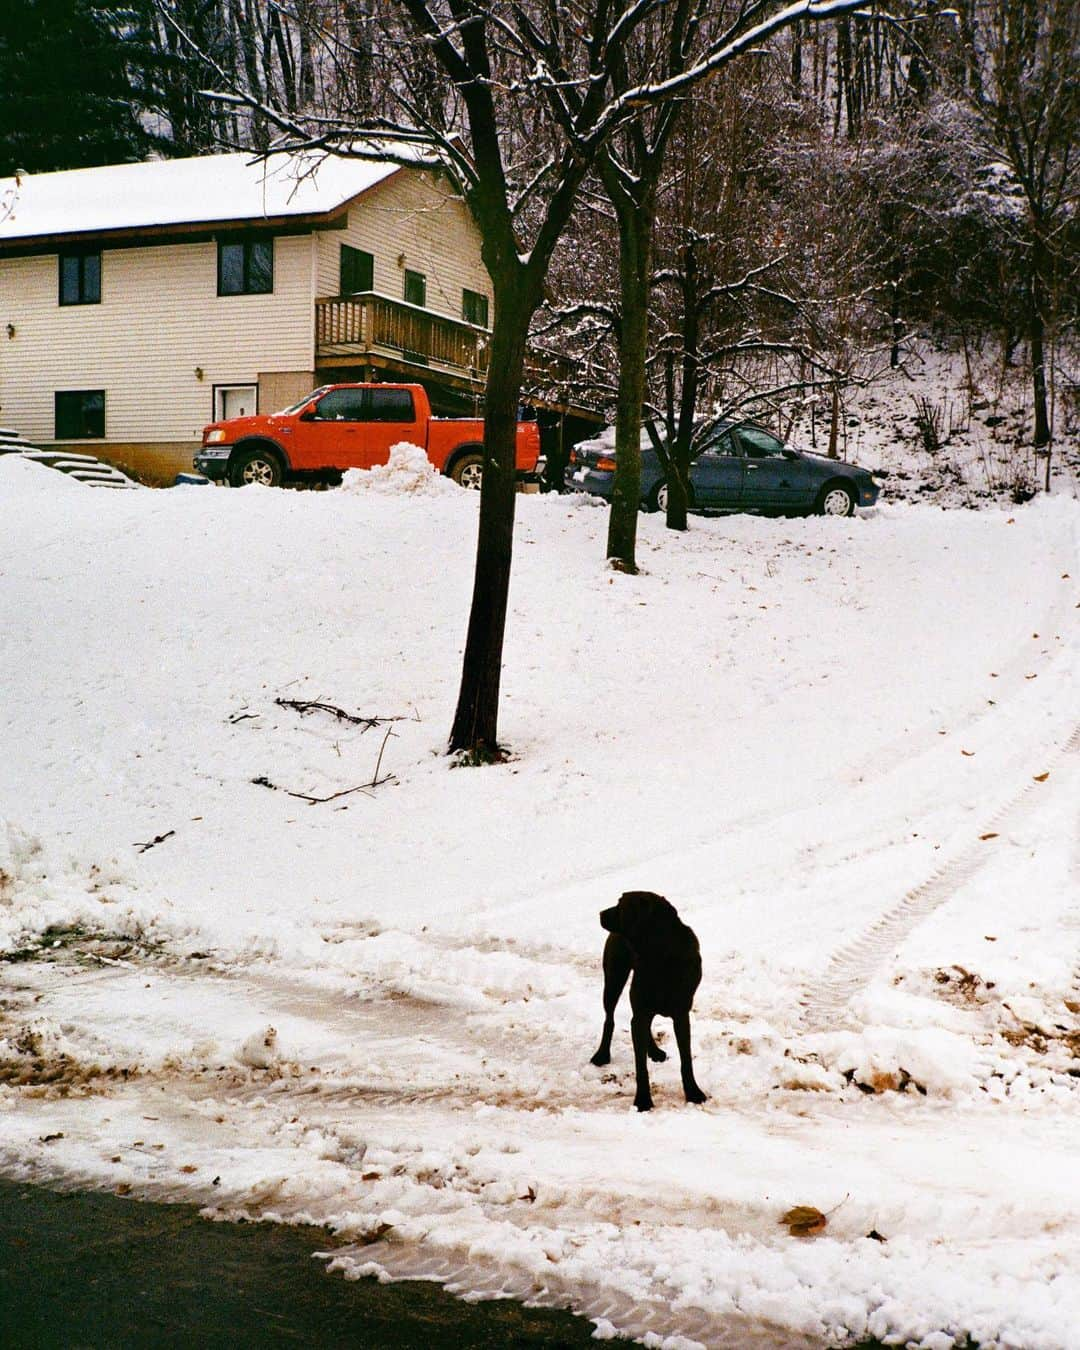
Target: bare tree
<point x="1017" y="78"/>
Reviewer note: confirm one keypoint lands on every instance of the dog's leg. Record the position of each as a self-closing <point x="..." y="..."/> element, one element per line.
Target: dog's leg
<point x="641" y="1031"/>
<point x="682" y="1040"/>
<point x="617" y="966"/>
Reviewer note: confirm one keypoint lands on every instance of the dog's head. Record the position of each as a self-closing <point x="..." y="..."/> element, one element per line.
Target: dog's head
<point x="637" y="914"/>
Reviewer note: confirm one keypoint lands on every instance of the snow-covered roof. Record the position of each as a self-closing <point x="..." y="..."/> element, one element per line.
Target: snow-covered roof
<point x="185" y="193"/>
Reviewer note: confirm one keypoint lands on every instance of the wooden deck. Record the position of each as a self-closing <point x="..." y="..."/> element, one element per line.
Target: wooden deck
<point x="372" y="333"/>
<point x="369" y="325"/>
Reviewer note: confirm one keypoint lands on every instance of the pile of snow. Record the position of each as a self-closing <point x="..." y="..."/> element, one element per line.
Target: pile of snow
<point x="408" y="472"/>
<point x="24" y="477"/>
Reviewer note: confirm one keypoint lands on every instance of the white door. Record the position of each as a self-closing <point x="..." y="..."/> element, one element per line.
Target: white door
<point x="235" y="400"/>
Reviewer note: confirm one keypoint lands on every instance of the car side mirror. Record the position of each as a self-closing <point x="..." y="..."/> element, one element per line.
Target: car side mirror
<point x="309" y="413"/>
<point x="789" y="453"/>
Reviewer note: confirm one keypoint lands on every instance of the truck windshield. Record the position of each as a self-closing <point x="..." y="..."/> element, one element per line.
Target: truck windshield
<point x="302" y="403"/>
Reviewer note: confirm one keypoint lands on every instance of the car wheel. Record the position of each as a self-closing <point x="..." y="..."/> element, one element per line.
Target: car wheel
<point x="658" y="498"/>
<point x="257" y="466"/>
<point x="468" y="471"/>
<point x="836" y="500"/>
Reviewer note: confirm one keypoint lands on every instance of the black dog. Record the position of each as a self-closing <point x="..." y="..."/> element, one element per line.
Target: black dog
<point x="649" y="938"/>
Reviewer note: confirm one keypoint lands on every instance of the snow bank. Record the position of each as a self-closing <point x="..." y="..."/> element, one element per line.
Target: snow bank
<point x="408" y="471"/>
<point x="22" y="477"/>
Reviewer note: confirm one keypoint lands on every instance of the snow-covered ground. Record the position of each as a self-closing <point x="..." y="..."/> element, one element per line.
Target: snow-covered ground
<point x="954" y="428"/>
<point x="848" y="752"/>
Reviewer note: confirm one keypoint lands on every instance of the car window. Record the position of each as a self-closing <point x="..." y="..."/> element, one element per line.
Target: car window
<point x="719" y="442"/>
<point x="758" y="444"/>
<point x="341" y="405"/>
<point x="390" y="405"/>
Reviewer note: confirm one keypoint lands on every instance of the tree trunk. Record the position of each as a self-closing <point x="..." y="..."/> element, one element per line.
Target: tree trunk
<point x="834" y="424"/>
<point x="1036" y="337"/>
<point x="898" y="326"/>
<point x="635" y="248"/>
<point x="475" y="728"/>
<point x="682" y="442"/>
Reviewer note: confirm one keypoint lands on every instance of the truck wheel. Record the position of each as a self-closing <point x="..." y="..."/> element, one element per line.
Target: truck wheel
<point x="257" y="466"/>
<point x="468" y="471"/>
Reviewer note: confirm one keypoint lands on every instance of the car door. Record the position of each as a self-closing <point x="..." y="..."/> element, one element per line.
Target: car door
<point x="389" y="417"/>
<point x="334" y="432"/>
<point x="775" y="481"/>
<point x="716" y="476"/>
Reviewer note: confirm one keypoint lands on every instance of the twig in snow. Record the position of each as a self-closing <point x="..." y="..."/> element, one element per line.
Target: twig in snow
<point x="304" y="706"/>
<point x="376" y="781"/>
<point x="157" y="839"/>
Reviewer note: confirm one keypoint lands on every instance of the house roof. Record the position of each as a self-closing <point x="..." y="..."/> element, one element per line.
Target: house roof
<point x="181" y="195"/>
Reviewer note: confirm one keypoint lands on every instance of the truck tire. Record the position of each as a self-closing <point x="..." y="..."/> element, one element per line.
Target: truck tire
<point x="468" y="470"/>
<point x="257" y="464"/>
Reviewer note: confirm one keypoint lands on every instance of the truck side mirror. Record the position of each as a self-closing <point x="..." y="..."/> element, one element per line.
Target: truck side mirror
<point x="309" y="413"/>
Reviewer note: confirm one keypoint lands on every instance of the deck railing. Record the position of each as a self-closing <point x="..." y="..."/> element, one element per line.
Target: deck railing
<point x="355" y="324"/>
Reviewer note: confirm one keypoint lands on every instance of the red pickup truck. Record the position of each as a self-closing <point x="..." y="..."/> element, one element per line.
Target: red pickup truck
<point x="351" y="426"/>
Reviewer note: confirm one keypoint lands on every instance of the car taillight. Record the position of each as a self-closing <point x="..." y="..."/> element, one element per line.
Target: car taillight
<point x="606" y="464"/>
<point x="572" y="458"/>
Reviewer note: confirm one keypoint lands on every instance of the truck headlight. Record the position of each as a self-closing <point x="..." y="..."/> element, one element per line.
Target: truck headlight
<point x="215" y="437"/>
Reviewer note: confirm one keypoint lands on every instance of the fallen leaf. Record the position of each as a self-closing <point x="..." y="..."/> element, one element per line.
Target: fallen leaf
<point x="970" y="753"/>
<point x="1042" y="777"/>
<point x="49" y="1138"/>
<point x="991" y="835"/>
<point x="988" y="938"/>
<point x="804" y="1221"/>
<point x="124" y="1188"/>
<point x="1031" y="677"/>
<point x="873" y="1233"/>
<point x="189" y="1167"/>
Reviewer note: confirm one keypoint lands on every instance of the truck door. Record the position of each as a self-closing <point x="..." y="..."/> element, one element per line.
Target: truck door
<point x="333" y="436"/>
<point x="389" y="417"/>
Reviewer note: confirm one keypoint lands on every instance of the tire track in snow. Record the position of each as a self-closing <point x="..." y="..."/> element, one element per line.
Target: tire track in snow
<point x="636" y="1317"/>
<point x="825" y="1001"/>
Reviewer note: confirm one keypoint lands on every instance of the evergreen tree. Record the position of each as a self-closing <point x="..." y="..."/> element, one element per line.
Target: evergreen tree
<point x="66" y="95"/>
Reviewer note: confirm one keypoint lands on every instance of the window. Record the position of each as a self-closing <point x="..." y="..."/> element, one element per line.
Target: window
<point x="390" y="405"/>
<point x="415" y="288"/>
<point x="474" y="308"/>
<point x="758" y="444"/>
<point x="341" y="405"/>
<point x="357" y="270"/>
<point x="366" y="405"/>
<point x="80" y="278"/>
<point x="245" y="267"/>
<point x="718" y="442"/>
<point x="80" y="415"/>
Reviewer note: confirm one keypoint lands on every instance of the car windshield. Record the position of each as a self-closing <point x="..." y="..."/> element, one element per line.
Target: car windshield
<point x="302" y="403"/>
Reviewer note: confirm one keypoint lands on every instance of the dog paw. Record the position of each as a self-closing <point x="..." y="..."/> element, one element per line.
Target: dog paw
<point x="600" y="1059"/>
<point x="696" y="1095"/>
<point x="656" y="1054"/>
<point x="643" y="1103"/>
